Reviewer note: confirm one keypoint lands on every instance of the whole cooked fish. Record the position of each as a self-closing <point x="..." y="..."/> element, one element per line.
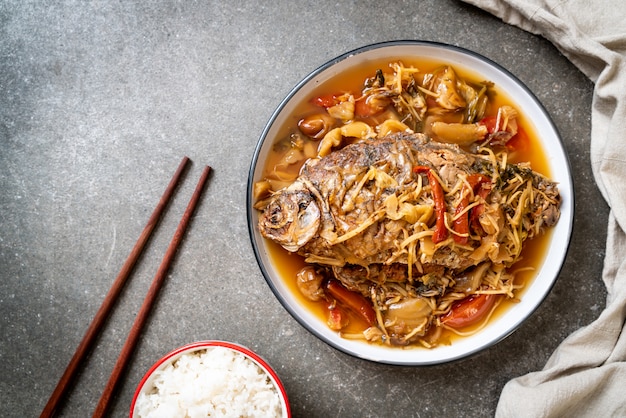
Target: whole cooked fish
<point x="409" y="200"/>
<point x="401" y="229"/>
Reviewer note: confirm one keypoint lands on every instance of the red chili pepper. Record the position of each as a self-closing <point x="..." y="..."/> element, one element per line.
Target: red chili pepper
<point x="441" y="232"/>
<point x="482" y="187"/>
<point x="469" y="311"/>
<point x="352" y="300"/>
<point x="461" y="225"/>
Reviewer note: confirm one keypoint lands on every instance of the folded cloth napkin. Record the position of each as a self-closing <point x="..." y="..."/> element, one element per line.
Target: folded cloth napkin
<point x="586" y="375"/>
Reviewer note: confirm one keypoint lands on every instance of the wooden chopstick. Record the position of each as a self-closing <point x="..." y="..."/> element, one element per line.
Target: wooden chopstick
<point x="140" y="320"/>
<point x="111" y="297"/>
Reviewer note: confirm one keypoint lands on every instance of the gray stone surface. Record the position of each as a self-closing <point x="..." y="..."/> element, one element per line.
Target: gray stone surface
<point x="99" y="101"/>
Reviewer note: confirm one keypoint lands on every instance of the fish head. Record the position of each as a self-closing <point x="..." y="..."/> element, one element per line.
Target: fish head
<point x="292" y="217"/>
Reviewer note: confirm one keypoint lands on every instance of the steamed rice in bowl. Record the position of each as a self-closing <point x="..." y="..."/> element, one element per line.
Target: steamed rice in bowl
<point x="215" y="379"/>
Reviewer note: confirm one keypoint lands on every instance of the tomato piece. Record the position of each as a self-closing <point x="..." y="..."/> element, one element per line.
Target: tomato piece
<point x="519" y="142"/>
<point x="370" y="106"/>
<point x="469" y="311"/>
<point x="327" y="100"/>
<point x="337" y="320"/>
<point x="363" y="109"/>
<point x="352" y="300"/>
<point x="490" y="123"/>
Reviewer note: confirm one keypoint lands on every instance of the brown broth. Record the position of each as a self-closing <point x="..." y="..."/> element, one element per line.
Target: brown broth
<point x="288" y="265"/>
<point x="533" y="254"/>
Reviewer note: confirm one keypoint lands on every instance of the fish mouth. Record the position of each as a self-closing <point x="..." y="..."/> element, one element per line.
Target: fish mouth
<point x="292" y="219"/>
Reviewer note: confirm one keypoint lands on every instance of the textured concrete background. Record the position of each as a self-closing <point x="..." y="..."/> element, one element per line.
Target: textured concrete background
<point x="100" y="100"/>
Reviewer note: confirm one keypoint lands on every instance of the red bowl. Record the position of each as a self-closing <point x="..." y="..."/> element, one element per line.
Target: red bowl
<point x="146" y="382"/>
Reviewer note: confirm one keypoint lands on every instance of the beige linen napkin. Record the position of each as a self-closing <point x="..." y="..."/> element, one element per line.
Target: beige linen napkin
<point x="586" y="375"/>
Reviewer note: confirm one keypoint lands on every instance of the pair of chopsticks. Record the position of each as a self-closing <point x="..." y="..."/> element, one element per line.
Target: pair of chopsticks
<point x="102" y="314"/>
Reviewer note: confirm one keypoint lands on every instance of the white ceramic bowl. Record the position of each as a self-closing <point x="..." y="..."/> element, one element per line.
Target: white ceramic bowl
<point x="547" y="272"/>
<point x="147" y="382"/>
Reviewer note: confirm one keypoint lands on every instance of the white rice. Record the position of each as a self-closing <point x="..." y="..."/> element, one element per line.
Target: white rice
<point x="213" y="382"/>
